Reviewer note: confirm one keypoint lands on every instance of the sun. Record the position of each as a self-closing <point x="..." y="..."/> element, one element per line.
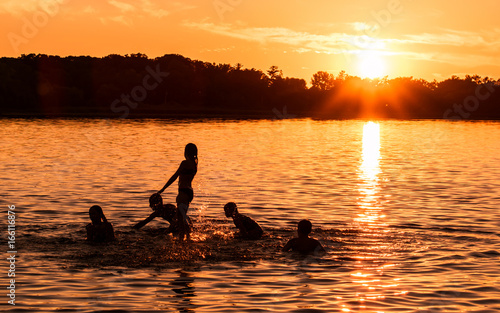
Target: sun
<point x="371" y="64"/>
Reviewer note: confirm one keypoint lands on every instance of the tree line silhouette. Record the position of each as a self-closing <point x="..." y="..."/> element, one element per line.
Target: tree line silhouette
<point x="134" y="86"/>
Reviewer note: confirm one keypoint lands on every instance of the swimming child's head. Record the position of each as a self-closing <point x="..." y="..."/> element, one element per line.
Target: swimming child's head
<point x="155" y="201"/>
<point x="96" y="214"/>
<point x="191" y="152"/>
<point x="230" y="208"/>
<point x="304" y="227"/>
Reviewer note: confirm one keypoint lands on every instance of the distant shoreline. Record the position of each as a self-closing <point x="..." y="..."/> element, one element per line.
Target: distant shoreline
<point x="215" y="116"/>
<point x="173" y="86"/>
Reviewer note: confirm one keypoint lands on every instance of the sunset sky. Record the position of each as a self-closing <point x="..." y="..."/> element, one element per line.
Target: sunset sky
<point x="425" y="39"/>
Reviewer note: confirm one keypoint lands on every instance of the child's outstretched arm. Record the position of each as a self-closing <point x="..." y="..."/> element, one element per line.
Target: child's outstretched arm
<point x="147" y="220"/>
<point x="173" y="178"/>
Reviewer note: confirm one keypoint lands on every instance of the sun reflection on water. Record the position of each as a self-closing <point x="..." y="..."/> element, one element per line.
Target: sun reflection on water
<point x="373" y="245"/>
<point x="369" y="187"/>
<point x="371" y="151"/>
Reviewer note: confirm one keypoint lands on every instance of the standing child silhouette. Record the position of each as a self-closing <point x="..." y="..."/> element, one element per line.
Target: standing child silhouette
<point x="186" y="172"/>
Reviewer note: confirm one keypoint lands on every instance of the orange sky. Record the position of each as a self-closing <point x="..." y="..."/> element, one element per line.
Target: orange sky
<point x="425" y="39"/>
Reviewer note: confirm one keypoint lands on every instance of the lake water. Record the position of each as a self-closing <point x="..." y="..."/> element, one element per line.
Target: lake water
<point x="407" y="210"/>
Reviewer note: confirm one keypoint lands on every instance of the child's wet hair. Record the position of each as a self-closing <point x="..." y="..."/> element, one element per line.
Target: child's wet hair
<point x="96" y="214"/>
<point x="155" y="199"/>
<point x="230" y="207"/>
<point x="304" y="227"/>
<point x="191" y="152"/>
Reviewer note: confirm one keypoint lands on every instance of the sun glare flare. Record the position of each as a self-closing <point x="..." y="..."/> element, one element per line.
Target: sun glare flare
<point x="371" y="64"/>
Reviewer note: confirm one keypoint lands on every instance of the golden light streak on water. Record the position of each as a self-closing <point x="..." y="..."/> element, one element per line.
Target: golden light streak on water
<point x="369" y="186"/>
<point x="371" y="151"/>
<point x="370" y="220"/>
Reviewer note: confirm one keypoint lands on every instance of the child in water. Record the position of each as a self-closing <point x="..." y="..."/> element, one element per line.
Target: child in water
<point x="186" y="172"/>
<point x="166" y="211"/>
<point x="303" y="243"/>
<point x="100" y="230"/>
<point x="249" y="229"/>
